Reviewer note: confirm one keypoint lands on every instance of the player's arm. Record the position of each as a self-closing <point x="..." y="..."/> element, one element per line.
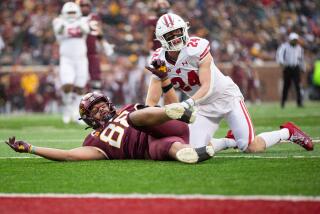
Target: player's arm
<point x="205" y="80"/>
<point x="161" y="85"/>
<point x="154" y="92"/>
<point x="84" y="26"/>
<point x="76" y="154"/>
<point x="58" y="26"/>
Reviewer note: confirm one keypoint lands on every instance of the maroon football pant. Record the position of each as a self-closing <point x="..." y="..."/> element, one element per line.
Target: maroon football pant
<point x="161" y="138"/>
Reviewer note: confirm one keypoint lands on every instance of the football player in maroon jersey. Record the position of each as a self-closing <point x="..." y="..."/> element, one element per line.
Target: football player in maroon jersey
<point x="94" y="37"/>
<point x="133" y="132"/>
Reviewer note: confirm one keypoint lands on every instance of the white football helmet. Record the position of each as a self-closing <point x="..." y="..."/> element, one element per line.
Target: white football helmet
<point x="71" y="11"/>
<point x="170" y="22"/>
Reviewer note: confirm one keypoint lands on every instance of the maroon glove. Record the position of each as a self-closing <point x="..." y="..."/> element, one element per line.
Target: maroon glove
<point x="159" y="69"/>
<point x="19" y="146"/>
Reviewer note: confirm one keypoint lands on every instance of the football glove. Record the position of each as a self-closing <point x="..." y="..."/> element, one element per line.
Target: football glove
<point x="177" y="111"/>
<point x="159" y="69"/>
<point x="19" y="146"/>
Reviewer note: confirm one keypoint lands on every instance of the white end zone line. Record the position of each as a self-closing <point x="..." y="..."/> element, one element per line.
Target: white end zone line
<point x="164" y="196"/>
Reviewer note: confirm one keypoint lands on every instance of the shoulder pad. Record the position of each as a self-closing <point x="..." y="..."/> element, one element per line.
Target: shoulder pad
<point x="156" y="55"/>
<point x="198" y="47"/>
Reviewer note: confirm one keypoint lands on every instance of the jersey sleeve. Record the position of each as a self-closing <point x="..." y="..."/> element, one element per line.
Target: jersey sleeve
<point x="57" y="25"/>
<point x="84" y="25"/>
<point x="93" y="140"/>
<point x="198" y="48"/>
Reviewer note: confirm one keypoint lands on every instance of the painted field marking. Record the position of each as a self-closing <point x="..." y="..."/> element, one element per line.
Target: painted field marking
<point x="166" y="196"/>
<point x="221" y="156"/>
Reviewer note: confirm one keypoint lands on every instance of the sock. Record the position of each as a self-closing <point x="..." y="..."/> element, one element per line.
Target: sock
<point x="274" y="137"/>
<point x="75" y="105"/>
<point x="222" y="143"/>
<point x="67" y="105"/>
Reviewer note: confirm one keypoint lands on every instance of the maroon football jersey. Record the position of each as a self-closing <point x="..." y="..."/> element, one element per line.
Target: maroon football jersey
<point x="93" y="56"/>
<point x="121" y="140"/>
<point x="93" y="20"/>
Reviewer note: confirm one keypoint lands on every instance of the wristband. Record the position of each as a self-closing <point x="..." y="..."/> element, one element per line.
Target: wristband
<point x="32" y="149"/>
<point x="165" y="89"/>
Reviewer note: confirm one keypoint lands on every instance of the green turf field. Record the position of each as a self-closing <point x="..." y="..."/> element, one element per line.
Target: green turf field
<point x="285" y="169"/>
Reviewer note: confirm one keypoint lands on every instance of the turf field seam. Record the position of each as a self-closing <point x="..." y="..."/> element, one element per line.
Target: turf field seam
<point x="165" y="196"/>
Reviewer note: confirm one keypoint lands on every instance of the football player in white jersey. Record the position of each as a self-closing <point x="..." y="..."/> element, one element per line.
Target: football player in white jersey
<point x="185" y="63"/>
<point x="71" y="31"/>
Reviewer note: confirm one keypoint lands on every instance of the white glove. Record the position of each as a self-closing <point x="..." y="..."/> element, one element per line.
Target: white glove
<point x="108" y="48"/>
<point x="188" y="104"/>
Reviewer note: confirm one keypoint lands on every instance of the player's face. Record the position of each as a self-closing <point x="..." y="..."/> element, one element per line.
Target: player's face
<point x="100" y="110"/>
<point x="174" y="36"/>
<point x="85" y="9"/>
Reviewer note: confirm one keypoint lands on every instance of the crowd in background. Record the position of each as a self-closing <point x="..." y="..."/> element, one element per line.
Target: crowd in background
<point x="239" y="30"/>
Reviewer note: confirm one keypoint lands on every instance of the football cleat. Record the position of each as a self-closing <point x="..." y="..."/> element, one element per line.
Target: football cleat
<point x="230" y="134"/>
<point x="297" y="136"/>
<point x="192" y="155"/>
<point x="176" y="111"/>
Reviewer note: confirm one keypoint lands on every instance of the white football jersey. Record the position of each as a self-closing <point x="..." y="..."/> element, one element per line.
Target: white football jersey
<point x="184" y="74"/>
<point x="71" y="36"/>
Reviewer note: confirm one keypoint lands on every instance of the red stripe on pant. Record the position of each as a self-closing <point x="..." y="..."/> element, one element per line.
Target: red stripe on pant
<point x="248" y="119"/>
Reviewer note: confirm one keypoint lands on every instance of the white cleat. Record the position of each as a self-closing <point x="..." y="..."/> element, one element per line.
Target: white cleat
<point x="66" y="119"/>
<point x="187" y="155"/>
<point x="192" y="155"/>
<point x="177" y="111"/>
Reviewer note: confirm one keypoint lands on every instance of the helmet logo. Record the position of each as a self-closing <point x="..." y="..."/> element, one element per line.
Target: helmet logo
<point x="168" y="21"/>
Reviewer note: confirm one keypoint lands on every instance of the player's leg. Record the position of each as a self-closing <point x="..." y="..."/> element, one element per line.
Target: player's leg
<point x="154" y="115"/>
<point x="296" y="81"/>
<point x="177" y="148"/>
<point x="81" y="80"/>
<point x="202" y="130"/>
<point x="286" y="85"/>
<point x="67" y="77"/>
<point x="242" y="128"/>
<point x="241" y="125"/>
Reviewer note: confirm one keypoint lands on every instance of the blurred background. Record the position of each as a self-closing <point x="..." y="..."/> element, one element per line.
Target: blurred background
<point x="244" y="36"/>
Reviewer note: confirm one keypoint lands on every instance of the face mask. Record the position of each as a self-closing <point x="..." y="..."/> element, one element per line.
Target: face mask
<point x="293" y="43"/>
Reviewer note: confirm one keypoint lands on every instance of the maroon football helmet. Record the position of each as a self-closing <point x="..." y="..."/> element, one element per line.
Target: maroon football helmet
<point x="85" y="107"/>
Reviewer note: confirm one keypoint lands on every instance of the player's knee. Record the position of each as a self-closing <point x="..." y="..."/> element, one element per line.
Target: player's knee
<point x="242" y="144"/>
<point x="67" y="88"/>
<point x="257" y="145"/>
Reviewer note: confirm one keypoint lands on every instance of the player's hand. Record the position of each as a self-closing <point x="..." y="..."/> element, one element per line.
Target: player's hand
<point x="159" y="69"/>
<point x="19" y="146"/>
<point x="188" y="104"/>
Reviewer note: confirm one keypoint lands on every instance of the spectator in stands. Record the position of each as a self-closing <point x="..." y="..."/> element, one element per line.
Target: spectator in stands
<point x="238" y="75"/>
<point x="253" y="82"/>
<point x="291" y="57"/>
<point x="315" y="79"/>
<point x="30" y="85"/>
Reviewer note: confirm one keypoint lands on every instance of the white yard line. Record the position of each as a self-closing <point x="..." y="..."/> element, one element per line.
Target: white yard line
<point x="219" y="156"/>
<point x="168" y="196"/>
